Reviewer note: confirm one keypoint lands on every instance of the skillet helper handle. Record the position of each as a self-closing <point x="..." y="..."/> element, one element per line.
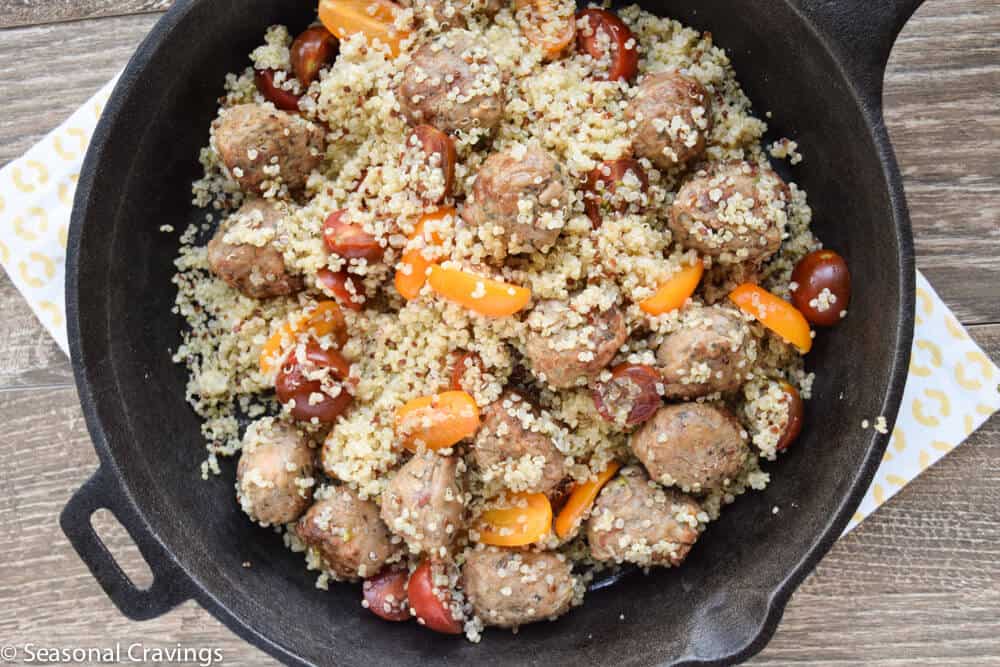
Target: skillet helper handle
<point x="862" y="34"/>
<point x="170" y="585"/>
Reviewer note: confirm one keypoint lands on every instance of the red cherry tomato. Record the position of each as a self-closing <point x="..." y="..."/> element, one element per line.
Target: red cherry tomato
<point x="311" y="50"/>
<point x="824" y="287"/>
<point x="631" y="386"/>
<point x="350" y="240"/>
<point x="462" y="363"/>
<point x="343" y="286"/>
<point x="796" y="412"/>
<point x="608" y="31"/>
<point x="292" y="384"/>
<point x="280" y="97"/>
<point x="385" y="595"/>
<point x="429" y="603"/>
<point x="602" y="184"/>
<point x="435" y="142"/>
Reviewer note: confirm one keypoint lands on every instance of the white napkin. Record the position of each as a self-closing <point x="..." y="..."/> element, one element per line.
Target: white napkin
<point x="951" y="390"/>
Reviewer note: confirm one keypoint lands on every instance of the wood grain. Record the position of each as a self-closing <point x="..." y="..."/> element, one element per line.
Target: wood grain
<point x="917" y="584"/>
<point x="33" y="12"/>
<point x="942" y="107"/>
<point x="50" y="70"/>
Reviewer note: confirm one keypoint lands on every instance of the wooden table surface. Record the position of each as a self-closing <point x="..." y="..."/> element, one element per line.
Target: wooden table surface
<point x="917" y="583"/>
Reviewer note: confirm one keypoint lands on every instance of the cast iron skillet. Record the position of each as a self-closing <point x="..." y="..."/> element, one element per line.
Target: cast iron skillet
<point x="816" y="64"/>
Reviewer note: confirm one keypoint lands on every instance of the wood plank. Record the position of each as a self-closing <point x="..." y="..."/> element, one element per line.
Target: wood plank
<point x="942" y="107"/>
<point x="49" y="71"/>
<point x="29" y="357"/>
<point x="35" y="12"/>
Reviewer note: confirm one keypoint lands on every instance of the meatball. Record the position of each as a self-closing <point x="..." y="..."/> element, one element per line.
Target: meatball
<point x="566" y="349"/>
<point x="695" y="446"/>
<point x="510" y="447"/>
<point x="250" y="261"/>
<point x="734" y="211"/>
<point x="506" y="185"/>
<point x="635" y="520"/>
<point x="454" y="84"/>
<point x="509" y="588"/>
<point x="263" y="148"/>
<point x="347" y="534"/>
<point x="274" y="479"/>
<point x="673" y="117"/>
<point x="424" y="504"/>
<point x="709" y="354"/>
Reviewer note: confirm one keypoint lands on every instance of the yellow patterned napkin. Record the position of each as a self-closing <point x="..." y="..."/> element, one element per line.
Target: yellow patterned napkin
<point x="950" y="392"/>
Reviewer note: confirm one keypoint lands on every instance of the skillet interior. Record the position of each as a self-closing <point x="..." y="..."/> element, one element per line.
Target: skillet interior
<point x="713" y="607"/>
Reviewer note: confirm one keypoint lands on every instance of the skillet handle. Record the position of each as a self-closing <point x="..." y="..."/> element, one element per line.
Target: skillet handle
<point x="862" y="34"/>
<point x="170" y="585"/>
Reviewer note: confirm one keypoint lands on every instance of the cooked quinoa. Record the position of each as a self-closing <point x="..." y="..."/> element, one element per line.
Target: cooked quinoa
<point x="519" y="215"/>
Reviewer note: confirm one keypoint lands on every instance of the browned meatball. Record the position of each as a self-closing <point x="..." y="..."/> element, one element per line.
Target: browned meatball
<point x="263" y="148"/>
<point x="452" y="13"/>
<point x="250" y="260"/>
<point x="673" y="117"/>
<point x="708" y="354"/>
<point x="274" y="479"/>
<point x="509" y="588"/>
<point x="509" y="447"/>
<point x="695" y="446"/>
<point x="454" y="84"/>
<point x="347" y="534"/>
<point x="635" y="520"/>
<point x="424" y="503"/>
<point x="735" y="211"/>
<point x="566" y="349"/>
<point x="506" y="182"/>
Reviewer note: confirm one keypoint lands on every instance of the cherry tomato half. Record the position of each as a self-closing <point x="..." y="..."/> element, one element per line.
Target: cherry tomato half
<point x="631" y="386"/>
<point x="281" y="98"/>
<point x="347" y="289"/>
<point x="385" y="594"/>
<point x="463" y="362"/>
<point x="796" y="412"/>
<point x="824" y="287"/>
<point x="429" y="603"/>
<point x="608" y="31"/>
<point x="350" y="240"/>
<point x="292" y="384"/>
<point x="434" y="142"/>
<point x="602" y="184"/>
<point x="311" y="50"/>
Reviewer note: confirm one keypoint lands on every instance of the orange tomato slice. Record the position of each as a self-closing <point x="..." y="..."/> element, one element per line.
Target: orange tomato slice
<point x="674" y="293"/>
<point x="412" y="271"/>
<point x="437" y="421"/>
<point x="581" y="500"/>
<point x="375" y="19"/>
<point x="542" y="26"/>
<point x="323" y="319"/>
<point x="491" y="298"/>
<point x="774" y="313"/>
<point x="525" y="520"/>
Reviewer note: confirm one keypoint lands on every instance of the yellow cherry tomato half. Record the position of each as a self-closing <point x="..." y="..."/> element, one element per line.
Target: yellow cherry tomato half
<point x="581" y="500"/>
<point x="674" y="293"/>
<point x="439" y="421"/>
<point x="324" y="319"/>
<point x="491" y="298"/>
<point x="375" y="19"/>
<point x="411" y="274"/>
<point x="525" y="519"/>
<point x="774" y="313"/>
